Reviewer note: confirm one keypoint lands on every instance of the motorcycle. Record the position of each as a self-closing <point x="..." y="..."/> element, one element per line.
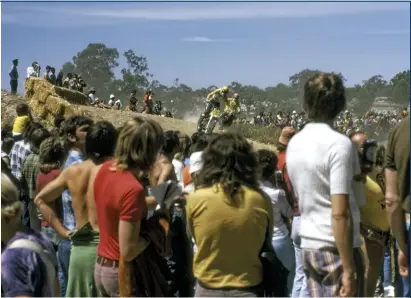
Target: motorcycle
<point x="207" y="124"/>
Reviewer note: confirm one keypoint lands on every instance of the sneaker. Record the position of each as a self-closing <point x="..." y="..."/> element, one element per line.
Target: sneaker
<point x="389" y="291"/>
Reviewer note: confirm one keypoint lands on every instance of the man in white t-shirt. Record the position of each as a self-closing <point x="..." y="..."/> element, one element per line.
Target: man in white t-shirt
<point x="324" y="169"/>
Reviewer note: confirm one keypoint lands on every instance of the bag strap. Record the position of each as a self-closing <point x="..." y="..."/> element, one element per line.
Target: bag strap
<point x="37" y="248"/>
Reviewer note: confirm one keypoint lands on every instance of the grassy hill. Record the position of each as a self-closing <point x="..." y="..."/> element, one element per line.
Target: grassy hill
<point x="261" y="137"/>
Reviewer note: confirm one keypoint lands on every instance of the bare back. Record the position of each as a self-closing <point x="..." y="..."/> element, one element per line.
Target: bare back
<point x="162" y="171"/>
<point x="77" y="182"/>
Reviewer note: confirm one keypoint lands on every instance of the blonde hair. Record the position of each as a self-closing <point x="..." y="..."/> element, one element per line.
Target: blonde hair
<point x="139" y="142"/>
<point x="10" y="203"/>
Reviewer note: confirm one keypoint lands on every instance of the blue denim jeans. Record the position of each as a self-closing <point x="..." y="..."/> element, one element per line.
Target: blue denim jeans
<point x="63" y="258"/>
<point x="300" y="288"/>
<point x="386" y="270"/>
<point x="284" y="250"/>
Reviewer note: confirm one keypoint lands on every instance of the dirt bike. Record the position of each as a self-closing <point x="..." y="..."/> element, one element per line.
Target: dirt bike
<point x="207" y="124"/>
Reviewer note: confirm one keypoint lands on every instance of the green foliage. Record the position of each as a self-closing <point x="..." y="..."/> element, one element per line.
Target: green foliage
<point x="97" y="64"/>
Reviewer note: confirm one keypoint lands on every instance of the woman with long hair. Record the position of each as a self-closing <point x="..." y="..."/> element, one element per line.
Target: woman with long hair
<point x="229" y="218"/>
<point x="117" y="197"/>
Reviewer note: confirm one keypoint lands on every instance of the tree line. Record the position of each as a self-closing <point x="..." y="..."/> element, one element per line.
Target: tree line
<point x="97" y="62"/>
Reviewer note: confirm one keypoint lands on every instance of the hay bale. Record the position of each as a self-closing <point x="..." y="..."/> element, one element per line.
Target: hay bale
<point x="38" y="109"/>
<point x="72" y="96"/>
<point x="42" y="94"/>
<point x="55" y="106"/>
<point x="69" y="111"/>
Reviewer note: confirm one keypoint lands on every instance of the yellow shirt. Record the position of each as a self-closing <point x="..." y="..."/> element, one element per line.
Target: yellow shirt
<point x="228" y="238"/>
<point x="373" y="213"/>
<point x="20" y="123"/>
<point x="231" y="106"/>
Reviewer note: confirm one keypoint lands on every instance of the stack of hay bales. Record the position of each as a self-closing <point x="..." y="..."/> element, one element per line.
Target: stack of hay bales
<point x="48" y="101"/>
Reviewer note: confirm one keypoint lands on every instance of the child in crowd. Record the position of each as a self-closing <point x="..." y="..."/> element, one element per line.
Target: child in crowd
<point x="23" y="117"/>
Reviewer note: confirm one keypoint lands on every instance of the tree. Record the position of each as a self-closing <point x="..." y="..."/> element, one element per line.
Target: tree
<point x="136" y="75"/>
<point x="375" y="85"/>
<point x="401" y="93"/>
<point x="96" y="64"/>
<point x="68" y="67"/>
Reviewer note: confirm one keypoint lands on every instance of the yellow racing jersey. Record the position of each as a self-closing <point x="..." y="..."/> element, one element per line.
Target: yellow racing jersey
<point x="231" y="106"/>
<point x="217" y="94"/>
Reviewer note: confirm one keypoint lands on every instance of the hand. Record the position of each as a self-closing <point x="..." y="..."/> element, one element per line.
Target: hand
<point x="349" y="285"/>
<point x="67" y="234"/>
<point x="403" y="264"/>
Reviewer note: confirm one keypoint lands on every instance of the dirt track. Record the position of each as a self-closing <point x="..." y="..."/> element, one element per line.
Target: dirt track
<point x="9" y="103"/>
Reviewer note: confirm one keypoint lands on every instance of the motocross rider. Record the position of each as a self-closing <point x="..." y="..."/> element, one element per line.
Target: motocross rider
<point x="231" y="110"/>
<point x="148" y="102"/>
<point x="214" y="99"/>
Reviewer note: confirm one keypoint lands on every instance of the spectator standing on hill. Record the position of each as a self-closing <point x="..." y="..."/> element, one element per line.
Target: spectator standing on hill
<point x="91" y="95"/>
<point x="66" y="82"/>
<point x="325" y="172"/>
<point x="33" y="71"/>
<point x="47" y="73"/>
<point x="132" y="101"/>
<point x="397" y="196"/>
<point x="59" y="79"/>
<point x="52" y="76"/>
<point x="14" y="76"/>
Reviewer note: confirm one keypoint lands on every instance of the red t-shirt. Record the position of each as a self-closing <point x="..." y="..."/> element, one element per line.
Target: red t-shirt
<point x="281" y="165"/>
<point x="41" y="181"/>
<point x="187" y="176"/>
<point x="118" y="196"/>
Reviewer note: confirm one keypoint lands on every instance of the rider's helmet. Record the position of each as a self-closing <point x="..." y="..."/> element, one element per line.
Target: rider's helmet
<point x="112" y="96"/>
<point x="92" y="90"/>
<point x="236" y="96"/>
<point x="149" y="92"/>
<point x="225" y="89"/>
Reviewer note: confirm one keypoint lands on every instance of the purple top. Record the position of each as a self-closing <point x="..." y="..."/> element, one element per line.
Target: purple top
<point x="23" y="272"/>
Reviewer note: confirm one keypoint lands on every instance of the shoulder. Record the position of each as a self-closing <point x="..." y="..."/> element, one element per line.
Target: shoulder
<point x="339" y="142"/>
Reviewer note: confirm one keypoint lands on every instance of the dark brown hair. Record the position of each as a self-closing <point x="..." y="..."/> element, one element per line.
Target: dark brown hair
<point x="324" y="97"/>
<point x="229" y="161"/>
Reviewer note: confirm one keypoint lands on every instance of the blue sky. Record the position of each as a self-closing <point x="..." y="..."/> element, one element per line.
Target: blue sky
<point x="215" y="43"/>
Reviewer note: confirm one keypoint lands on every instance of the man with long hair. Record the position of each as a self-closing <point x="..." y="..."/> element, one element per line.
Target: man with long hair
<point x="117" y="198"/>
<point x="99" y="147"/>
<point x="324" y="170"/>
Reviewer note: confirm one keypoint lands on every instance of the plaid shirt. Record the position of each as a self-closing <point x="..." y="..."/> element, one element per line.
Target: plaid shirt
<point x="69" y="220"/>
<point x="18" y="155"/>
<point x="29" y="174"/>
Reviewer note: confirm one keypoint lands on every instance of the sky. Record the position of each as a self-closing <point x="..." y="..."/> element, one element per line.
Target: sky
<point x="206" y="44"/>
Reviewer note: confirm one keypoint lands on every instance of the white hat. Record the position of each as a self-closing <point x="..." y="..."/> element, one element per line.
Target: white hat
<point x="294" y="112"/>
<point x="112" y="96"/>
<point x="118" y="101"/>
<point x="196" y="162"/>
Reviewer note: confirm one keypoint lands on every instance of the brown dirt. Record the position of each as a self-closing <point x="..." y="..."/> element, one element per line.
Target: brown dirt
<point x="9" y="103"/>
